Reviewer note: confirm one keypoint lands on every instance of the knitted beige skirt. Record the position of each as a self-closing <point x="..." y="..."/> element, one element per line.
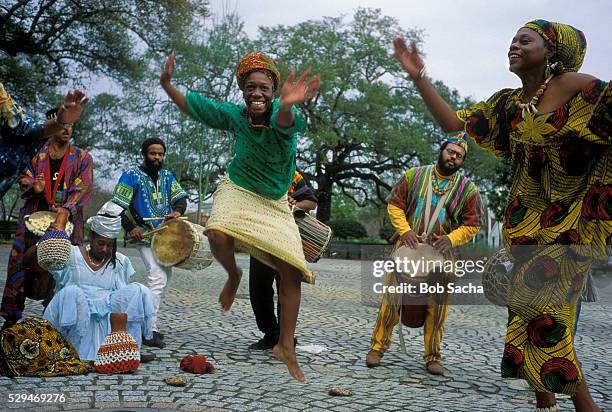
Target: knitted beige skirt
<point x="260" y="226"/>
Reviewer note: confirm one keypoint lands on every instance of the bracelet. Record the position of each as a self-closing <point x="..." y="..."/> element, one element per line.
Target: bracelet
<point x="421" y="74"/>
<point x="62" y="124"/>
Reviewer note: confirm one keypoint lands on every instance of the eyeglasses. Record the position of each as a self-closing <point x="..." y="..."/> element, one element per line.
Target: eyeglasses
<point x="453" y="152"/>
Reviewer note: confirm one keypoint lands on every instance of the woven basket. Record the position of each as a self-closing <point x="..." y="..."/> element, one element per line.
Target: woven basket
<point x="53" y="250"/>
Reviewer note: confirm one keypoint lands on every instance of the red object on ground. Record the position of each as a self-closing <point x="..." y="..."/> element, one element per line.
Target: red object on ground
<point x="196" y="364"/>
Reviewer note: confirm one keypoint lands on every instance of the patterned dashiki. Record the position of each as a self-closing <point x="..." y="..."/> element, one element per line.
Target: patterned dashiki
<point x="148" y="199"/>
<point x="73" y="193"/>
<point x="462" y="207"/>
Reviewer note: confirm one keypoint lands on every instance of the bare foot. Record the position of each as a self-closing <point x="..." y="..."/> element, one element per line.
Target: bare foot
<point x="287" y="356"/>
<point x="228" y="293"/>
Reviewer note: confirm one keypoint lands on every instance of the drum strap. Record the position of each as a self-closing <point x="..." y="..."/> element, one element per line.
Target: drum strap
<point x="429" y="221"/>
<point x="48" y="191"/>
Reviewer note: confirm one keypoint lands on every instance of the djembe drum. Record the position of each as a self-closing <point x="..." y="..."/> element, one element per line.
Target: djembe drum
<point x="53" y="247"/>
<point x="423" y="264"/>
<point x="51" y="253"/>
<point x="182" y="244"/>
<point x="315" y="235"/>
<point x="119" y="352"/>
<point x="497" y="277"/>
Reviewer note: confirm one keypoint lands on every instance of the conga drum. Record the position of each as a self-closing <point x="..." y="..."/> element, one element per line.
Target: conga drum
<point x="182" y="244"/>
<point x="316" y="236"/>
<point x="53" y="252"/>
<point x="422" y="264"/>
<point x="497" y="277"/>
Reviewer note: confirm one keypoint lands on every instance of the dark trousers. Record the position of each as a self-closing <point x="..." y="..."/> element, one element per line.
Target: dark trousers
<point x="35" y="285"/>
<point x="261" y="292"/>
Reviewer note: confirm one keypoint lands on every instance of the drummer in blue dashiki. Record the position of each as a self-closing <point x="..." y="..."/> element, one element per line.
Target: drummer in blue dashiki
<point x="149" y="191"/>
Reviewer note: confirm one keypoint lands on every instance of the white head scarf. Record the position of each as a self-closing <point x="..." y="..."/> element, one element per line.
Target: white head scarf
<point x="107" y="222"/>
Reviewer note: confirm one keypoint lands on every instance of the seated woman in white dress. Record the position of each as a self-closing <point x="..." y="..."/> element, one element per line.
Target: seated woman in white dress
<point x="94" y="284"/>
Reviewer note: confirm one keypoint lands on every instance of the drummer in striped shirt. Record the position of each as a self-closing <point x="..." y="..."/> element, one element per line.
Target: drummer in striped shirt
<point x="456" y="224"/>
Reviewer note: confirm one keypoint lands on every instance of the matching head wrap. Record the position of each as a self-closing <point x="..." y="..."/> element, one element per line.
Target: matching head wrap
<point x="107" y="222"/>
<point x="460" y="139"/>
<point x="257" y="62"/>
<point x="570" y="42"/>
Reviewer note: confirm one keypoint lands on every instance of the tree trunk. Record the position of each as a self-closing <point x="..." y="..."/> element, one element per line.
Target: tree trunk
<point x="324" y="196"/>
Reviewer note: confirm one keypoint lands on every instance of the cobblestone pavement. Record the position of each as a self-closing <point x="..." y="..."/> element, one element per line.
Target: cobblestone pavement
<point x="331" y="315"/>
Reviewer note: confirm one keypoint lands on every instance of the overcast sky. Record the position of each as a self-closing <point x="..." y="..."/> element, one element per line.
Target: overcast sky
<point x="466" y="42"/>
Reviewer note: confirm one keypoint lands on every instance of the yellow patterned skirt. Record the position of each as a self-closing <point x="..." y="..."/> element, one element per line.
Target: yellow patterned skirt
<point x="260" y="226"/>
<point x="542" y="315"/>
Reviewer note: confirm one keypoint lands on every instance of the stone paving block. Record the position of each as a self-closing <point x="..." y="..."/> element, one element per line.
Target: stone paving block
<point x="77" y="406"/>
<point x="183" y="394"/>
<point x="135" y="398"/>
<point x="107" y="405"/>
<point x="212" y="403"/>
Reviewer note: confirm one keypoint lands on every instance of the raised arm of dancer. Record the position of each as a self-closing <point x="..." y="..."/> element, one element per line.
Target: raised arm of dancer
<point x="410" y="60"/>
<point x="166" y="82"/>
<point x="68" y="114"/>
<point x="295" y="93"/>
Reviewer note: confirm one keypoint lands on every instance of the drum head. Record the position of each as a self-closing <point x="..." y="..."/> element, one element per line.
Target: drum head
<point x="38" y="222"/>
<point x="421" y="261"/>
<point x="173" y="245"/>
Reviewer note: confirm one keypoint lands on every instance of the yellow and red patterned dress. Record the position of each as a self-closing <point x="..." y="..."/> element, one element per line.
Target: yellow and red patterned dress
<point x="558" y="218"/>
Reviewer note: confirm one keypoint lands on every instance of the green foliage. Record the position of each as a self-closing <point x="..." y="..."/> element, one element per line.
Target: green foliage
<point x="361" y="128"/>
<point x="343" y="207"/>
<point x="347" y="228"/>
<point x="10" y="204"/>
<point x="498" y="195"/>
<point x="48" y="44"/>
<point x="386" y="230"/>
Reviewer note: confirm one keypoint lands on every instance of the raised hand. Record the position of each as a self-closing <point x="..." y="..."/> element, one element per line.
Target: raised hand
<point x="168" y="72"/>
<point x="165" y="79"/>
<point x="408" y="57"/>
<point x="298" y="92"/>
<point x="74" y="103"/>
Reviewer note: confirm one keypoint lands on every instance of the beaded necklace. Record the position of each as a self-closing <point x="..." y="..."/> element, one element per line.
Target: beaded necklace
<point x="436" y="184"/>
<point x="530" y="106"/>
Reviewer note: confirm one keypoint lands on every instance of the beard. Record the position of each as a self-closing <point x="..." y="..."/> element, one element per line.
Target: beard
<point x="152" y="166"/>
<point x="444" y="169"/>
